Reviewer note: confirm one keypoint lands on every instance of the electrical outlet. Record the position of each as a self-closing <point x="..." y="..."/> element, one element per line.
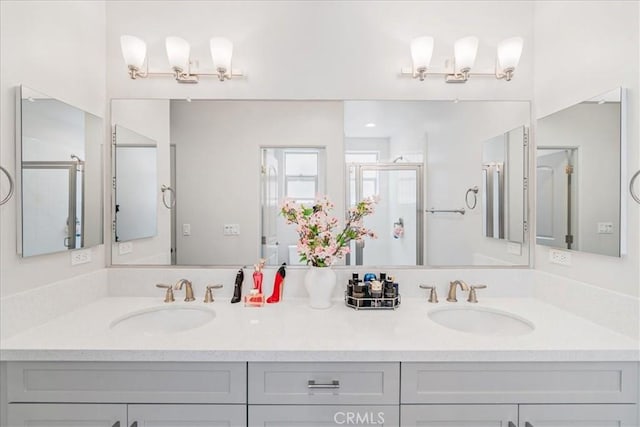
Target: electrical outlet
<point x="186" y="229"/>
<point x="81" y="256"/>
<point x="125" y="248"/>
<point x="559" y="257"/>
<point x="605" y="228"/>
<point x="514" y="248"/>
<point x="231" y="230"/>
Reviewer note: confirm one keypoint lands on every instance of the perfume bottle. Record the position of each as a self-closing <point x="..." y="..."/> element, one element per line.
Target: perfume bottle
<point x="278" y="284"/>
<point x="256" y="297"/>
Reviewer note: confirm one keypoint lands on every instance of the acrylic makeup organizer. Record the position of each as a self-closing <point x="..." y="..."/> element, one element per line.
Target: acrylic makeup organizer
<point x="360" y="296"/>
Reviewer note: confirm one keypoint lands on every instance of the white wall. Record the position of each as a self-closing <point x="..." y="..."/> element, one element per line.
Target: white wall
<point x="218" y="163"/>
<point x="151" y="119"/>
<point x="318" y="49"/>
<point x="583" y="49"/>
<point x="57" y="48"/>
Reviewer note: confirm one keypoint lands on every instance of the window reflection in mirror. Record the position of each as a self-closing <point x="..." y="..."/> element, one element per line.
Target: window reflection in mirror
<point x="296" y="173"/>
<point x="60" y="184"/>
<point x="136" y="185"/>
<point x="578" y="176"/>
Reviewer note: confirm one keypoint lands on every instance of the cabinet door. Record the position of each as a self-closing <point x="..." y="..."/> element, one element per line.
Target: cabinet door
<point x="66" y="415"/>
<point x="459" y="415"/>
<point x="191" y="415"/>
<point x="322" y="415"/>
<point x="578" y="416"/>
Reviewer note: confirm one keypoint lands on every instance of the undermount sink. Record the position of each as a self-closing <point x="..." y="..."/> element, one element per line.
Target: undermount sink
<point x="481" y="320"/>
<point x="164" y="320"/>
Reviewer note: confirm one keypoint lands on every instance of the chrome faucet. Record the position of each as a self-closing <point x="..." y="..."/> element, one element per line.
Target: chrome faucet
<point x="188" y="293"/>
<point x="451" y="297"/>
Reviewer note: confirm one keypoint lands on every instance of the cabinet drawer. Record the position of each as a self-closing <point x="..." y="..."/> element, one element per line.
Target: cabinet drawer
<point x="520" y="382"/>
<point x="324" y="383"/>
<point x="323" y="416"/>
<point x="130" y="382"/>
<point x="459" y="415"/>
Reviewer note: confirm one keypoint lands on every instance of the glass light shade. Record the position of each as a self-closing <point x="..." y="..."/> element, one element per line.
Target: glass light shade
<point x="178" y="52"/>
<point x="464" y="51"/>
<point x="421" y="51"/>
<point x="221" y="51"/>
<point x="134" y="50"/>
<point x="509" y="52"/>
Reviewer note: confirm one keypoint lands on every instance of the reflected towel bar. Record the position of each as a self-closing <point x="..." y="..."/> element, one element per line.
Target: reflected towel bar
<point x="458" y="211"/>
<point x="165" y="189"/>
<point x="11" y="186"/>
<point x="635" y="195"/>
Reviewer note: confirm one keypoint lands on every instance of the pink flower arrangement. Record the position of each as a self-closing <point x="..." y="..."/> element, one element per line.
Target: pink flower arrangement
<point x="319" y="244"/>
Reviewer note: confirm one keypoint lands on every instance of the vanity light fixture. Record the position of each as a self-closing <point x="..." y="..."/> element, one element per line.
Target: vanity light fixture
<point x="458" y="70"/>
<point x="134" y="51"/>
<point x="370" y="125"/>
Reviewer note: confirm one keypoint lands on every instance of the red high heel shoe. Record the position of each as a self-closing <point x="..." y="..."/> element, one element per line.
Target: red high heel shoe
<point x="278" y="285"/>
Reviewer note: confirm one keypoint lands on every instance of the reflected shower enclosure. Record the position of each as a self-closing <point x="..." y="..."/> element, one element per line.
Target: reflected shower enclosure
<point x="59" y="149"/>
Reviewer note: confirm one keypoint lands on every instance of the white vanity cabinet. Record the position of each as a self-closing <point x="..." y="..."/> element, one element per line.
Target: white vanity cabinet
<point x="459" y="415"/>
<point x="578" y="416"/>
<point x="71" y="415"/>
<point x="125" y="394"/>
<point x="597" y="394"/>
<point x="114" y="415"/>
<point x="323" y="394"/>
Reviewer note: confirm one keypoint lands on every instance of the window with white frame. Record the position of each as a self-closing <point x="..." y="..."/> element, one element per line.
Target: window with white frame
<point x="369" y="178"/>
<point x="301" y="175"/>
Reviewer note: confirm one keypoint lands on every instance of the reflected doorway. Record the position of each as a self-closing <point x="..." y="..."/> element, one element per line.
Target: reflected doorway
<point x="556" y="208"/>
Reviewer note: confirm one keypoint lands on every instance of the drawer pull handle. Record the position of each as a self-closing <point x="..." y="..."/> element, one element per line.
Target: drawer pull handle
<point x="333" y="384"/>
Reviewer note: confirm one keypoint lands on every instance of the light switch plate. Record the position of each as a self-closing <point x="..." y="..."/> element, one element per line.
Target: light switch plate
<point x="231" y="230"/>
<point x="559" y="257"/>
<point x="186" y="229"/>
<point x="81" y="256"/>
<point x="125" y="248"/>
<point x="605" y="228"/>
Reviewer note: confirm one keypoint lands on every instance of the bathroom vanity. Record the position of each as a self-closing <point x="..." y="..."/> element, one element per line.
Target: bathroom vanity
<point x="286" y="364"/>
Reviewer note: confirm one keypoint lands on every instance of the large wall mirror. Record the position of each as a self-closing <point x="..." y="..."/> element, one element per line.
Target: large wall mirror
<point x="230" y="164"/>
<point x="59" y="150"/>
<point x="578" y="160"/>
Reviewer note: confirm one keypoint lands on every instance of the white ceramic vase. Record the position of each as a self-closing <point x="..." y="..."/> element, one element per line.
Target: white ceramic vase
<point x="320" y="283"/>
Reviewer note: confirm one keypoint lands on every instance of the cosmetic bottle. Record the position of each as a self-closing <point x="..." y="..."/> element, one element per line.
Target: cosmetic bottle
<point x="237" y="289"/>
<point x="254" y="299"/>
<point x="278" y="284"/>
<point x="257" y="276"/>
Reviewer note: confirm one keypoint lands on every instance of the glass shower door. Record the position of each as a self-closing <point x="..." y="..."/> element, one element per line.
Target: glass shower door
<point x="398" y="218"/>
<point x="52" y="207"/>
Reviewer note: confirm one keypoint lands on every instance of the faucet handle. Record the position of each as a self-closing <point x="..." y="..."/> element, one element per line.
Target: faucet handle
<point x="433" y="296"/>
<point x="208" y="295"/>
<point x="472" y="292"/>
<point x="169" y="295"/>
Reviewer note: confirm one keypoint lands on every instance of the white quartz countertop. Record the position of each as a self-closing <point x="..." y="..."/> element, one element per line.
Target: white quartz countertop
<point x="292" y="331"/>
